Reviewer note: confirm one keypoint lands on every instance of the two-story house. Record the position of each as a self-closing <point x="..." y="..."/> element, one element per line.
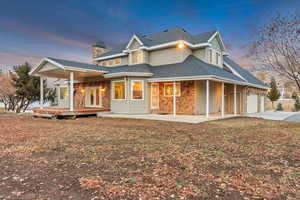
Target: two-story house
<point x="171" y="71"/>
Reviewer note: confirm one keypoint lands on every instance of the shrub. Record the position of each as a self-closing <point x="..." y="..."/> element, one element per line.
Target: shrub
<point x="279" y="107"/>
<point x="297" y="104"/>
<point x="294" y="95"/>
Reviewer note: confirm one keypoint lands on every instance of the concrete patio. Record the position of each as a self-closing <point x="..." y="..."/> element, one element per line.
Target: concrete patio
<point x="178" y="118"/>
<point x="272" y="115"/>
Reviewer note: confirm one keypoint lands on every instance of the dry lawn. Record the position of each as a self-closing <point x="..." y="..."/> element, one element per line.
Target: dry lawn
<point x="92" y="158"/>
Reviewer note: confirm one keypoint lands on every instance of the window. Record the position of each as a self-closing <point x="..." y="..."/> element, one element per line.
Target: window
<point x="217" y="58"/>
<point x="104" y="63"/>
<point x="137" y="89"/>
<point x="136" y="57"/>
<point x="118" y="61"/>
<point x="119" y="90"/>
<point x="210" y="55"/>
<point x="110" y="62"/>
<point x="63" y="93"/>
<point x="168" y="89"/>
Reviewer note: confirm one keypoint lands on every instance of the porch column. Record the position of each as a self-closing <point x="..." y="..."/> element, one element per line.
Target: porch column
<point x="207" y="98"/>
<point x="174" y="98"/>
<point x="235" y="110"/>
<point x="222" y="102"/>
<point x="71" y="91"/>
<point x="41" y="92"/>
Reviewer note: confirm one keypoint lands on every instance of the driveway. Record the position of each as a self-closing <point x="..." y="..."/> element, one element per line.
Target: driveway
<point x="272" y="115"/>
<point x="293" y="118"/>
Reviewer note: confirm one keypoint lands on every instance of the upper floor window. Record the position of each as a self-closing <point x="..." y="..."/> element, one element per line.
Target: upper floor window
<point x="217" y="58"/>
<point x="117" y="61"/>
<point x="104" y="63"/>
<point x="210" y="55"/>
<point x="136" y="57"/>
<point x="110" y="62"/>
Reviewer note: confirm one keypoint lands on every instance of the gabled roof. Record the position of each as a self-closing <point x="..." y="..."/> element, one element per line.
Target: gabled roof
<point x="159" y="38"/>
<point x="80" y="65"/>
<point x="243" y="72"/>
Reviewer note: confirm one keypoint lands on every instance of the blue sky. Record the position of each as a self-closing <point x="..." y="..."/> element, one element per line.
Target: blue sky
<point x="32" y="29"/>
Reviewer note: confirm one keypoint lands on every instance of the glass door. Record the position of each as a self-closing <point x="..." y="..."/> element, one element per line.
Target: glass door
<point x="93" y="97"/>
<point x="154" y="95"/>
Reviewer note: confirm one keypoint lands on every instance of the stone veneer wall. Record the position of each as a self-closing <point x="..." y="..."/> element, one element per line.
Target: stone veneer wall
<point x="185" y="104"/>
<point x="79" y="97"/>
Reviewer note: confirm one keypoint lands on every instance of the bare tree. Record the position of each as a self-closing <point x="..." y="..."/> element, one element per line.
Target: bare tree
<point x="278" y="45"/>
<point x="7" y="91"/>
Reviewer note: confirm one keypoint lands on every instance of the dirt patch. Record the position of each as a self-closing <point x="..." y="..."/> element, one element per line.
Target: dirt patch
<point x="141" y="159"/>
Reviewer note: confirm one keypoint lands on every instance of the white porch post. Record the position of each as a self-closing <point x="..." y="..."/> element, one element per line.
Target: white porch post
<point x="41" y="92"/>
<point x="222" y="102"/>
<point x="207" y="98"/>
<point x="235" y="110"/>
<point x="174" y="98"/>
<point x="71" y="91"/>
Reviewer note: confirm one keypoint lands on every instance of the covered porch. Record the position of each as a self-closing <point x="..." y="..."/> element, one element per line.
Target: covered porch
<point x="210" y="98"/>
<point x="83" y="97"/>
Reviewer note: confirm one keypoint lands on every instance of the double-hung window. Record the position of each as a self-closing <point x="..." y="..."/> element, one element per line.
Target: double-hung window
<point x="137" y="89"/>
<point x="119" y="90"/>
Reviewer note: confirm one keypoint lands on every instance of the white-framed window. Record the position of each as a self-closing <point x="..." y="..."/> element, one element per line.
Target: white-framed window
<point x="63" y="93"/>
<point x="210" y="56"/>
<point x="119" y="90"/>
<point x="168" y="89"/>
<point x="117" y="61"/>
<point x="137" y="89"/>
<point x="110" y="62"/>
<point x="136" y="57"/>
<point x="217" y="58"/>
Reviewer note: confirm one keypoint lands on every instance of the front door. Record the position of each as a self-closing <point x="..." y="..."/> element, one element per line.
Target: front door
<point x="93" y="97"/>
<point x="154" y="95"/>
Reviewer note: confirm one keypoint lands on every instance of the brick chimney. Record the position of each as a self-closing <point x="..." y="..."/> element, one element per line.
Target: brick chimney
<point x="98" y="49"/>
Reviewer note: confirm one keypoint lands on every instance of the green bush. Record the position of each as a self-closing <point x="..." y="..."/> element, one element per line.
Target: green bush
<point x="297" y="104"/>
<point x="279" y="107"/>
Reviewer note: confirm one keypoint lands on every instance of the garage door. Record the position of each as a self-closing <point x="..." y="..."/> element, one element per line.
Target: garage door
<point x="252" y="103"/>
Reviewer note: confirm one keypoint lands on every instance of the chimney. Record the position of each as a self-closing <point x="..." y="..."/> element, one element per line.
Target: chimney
<point x="98" y="49"/>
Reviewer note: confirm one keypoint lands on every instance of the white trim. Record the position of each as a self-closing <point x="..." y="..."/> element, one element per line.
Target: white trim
<point x="174" y="98"/>
<point x="63" y="67"/>
<point x="160" y="46"/>
<point x="179" y="95"/>
<point x="207" y="99"/>
<point x="113" y="90"/>
<point x="71" y="91"/>
<point x="222" y="101"/>
<point x="156" y="84"/>
<point x="134" y="37"/>
<point x="214" y="35"/>
<point x="234" y="71"/>
<point x="131" y="90"/>
<point x="120" y="74"/>
<point x="41" y="92"/>
<point x="210" y="77"/>
<point x="87" y="95"/>
<point x="110" y="56"/>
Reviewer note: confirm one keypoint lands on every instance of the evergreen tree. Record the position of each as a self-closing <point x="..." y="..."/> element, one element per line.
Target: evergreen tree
<point x="274" y="93"/>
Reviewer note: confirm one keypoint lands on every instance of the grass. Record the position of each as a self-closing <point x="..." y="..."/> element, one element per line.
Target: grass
<point x="141" y="159"/>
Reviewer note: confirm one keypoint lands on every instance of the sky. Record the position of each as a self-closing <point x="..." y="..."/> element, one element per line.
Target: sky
<point x="33" y="29"/>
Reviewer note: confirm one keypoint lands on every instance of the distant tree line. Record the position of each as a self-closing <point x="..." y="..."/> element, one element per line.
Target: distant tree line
<point x="18" y="89"/>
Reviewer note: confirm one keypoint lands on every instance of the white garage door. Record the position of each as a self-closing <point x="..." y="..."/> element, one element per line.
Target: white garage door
<point x="252" y="103"/>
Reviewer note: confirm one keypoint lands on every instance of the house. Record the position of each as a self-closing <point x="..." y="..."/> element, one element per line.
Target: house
<point x="171" y="71"/>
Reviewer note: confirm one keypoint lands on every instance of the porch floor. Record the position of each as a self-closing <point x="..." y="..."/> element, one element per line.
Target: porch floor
<point x="52" y="112"/>
<point x="178" y="118"/>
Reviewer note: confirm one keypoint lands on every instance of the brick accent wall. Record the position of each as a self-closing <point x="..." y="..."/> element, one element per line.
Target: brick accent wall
<point x="185" y="104"/>
<point x="80" y="88"/>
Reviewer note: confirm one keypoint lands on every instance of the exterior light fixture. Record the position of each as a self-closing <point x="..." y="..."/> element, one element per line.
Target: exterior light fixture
<point x="82" y="90"/>
<point x="180" y="45"/>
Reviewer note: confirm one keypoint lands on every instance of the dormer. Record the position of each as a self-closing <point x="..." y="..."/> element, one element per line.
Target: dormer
<point x="136" y="55"/>
<point x="216" y="51"/>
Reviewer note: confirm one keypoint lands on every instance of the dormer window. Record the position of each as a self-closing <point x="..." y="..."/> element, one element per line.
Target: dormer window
<point x="136" y="57"/>
<point x="210" y="55"/>
<point x="217" y="58"/>
<point x="117" y="61"/>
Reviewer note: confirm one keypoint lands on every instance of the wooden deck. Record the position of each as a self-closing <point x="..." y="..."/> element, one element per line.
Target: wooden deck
<point x="52" y="112"/>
